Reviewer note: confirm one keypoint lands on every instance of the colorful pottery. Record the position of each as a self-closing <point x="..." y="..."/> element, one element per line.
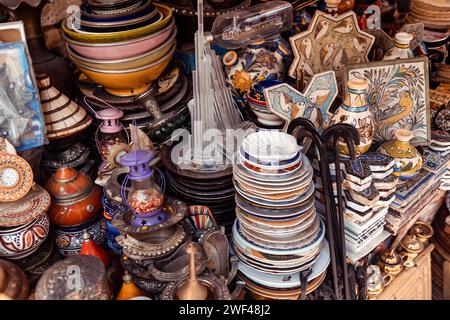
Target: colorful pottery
<point x="355" y="111"/>
<point x="129" y="289"/>
<point x="22" y="241"/>
<point x="63" y="117"/>
<point x="75" y="198"/>
<point x="22" y="211"/>
<point x="409" y="159"/>
<point x="13" y="281"/>
<point x="254" y="64"/>
<point x="16" y="177"/>
<point x="91" y="248"/>
<point x="122" y="49"/>
<point x="135" y="61"/>
<point x="401" y="49"/>
<point x="74" y="278"/>
<point x="121" y="35"/>
<point x="69" y="240"/>
<point x="129" y="82"/>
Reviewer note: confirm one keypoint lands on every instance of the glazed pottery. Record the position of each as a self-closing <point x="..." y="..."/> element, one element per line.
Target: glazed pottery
<point x="121" y="35"/>
<point x="22" y="241"/>
<point x="30" y="207"/>
<point x="390" y="262"/>
<point x="75" y="198"/>
<point x="376" y="281"/>
<point x="59" y="281"/>
<point x="13" y="282"/>
<point x="254" y="64"/>
<point x="16" y="177"/>
<point x="355" y="111"/>
<point x="129" y="289"/>
<point x="63" y="117"/>
<point x="122" y="49"/>
<point x="69" y="240"/>
<point x="409" y="159"/>
<point x="411" y="246"/>
<point x="91" y="248"/>
<point x="401" y="49"/>
<point x="132" y="62"/>
<point x="423" y="231"/>
<point x="258" y="105"/>
<point x="129" y="82"/>
<point x="87" y="12"/>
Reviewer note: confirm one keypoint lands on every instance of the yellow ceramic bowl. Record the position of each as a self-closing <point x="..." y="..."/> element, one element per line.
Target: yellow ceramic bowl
<point x="121" y="35"/>
<point x="128" y="82"/>
<point x="124" y="64"/>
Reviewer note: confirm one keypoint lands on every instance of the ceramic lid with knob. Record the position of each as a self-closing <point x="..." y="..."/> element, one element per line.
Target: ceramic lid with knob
<point x="67" y="183"/>
<point x="422" y="230"/>
<point x="403" y="135"/>
<point x="403" y="38"/>
<point x="412" y="244"/>
<point x="110" y="119"/>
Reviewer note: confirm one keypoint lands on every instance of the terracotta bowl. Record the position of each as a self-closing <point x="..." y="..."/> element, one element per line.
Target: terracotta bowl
<point x="122" y="49"/>
<point x="128" y="82"/>
<point x="121" y="35"/>
<point x="127" y="63"/>
<point x="22" y="241"/>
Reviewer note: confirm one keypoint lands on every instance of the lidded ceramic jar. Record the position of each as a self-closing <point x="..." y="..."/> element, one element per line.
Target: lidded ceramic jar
<point x="254" y="64"/>
<point x="390" y="262"/>
<point x="401" y="49"/>
<point x="423" y="231"/>
<point x="411" y="246"/>
<point x="408" y="158"/>
<point x="355" y="111"/>
<point x="76" y="199"/>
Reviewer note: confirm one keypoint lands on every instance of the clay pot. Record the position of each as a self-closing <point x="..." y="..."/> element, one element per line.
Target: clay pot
<point x="76" y="199"/>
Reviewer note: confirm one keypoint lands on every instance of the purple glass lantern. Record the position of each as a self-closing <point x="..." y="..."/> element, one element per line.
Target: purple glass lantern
<point x="145" y="197"/>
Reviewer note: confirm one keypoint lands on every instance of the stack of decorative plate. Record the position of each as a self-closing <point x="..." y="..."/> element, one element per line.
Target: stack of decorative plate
<point x="122" y="45"/>
<point x="213" y="188"/>
<point x="434" y="14"/>
<point x="277" y="235"/>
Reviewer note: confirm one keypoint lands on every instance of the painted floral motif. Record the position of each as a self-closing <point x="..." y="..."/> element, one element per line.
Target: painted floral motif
<point x="242" y="81"/>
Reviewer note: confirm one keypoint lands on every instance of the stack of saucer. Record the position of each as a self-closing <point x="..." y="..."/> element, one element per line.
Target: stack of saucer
<point x="277" y="234"/>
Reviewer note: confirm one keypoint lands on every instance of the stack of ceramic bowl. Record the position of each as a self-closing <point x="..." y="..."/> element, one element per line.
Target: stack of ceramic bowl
<point x="257" y="103"/>
<point x="24" y="223"/>
<point x="122" y="45"/>
<point x="277" y="234"/>
<point x="434" y="14"/>
<point x="76" y="207"/>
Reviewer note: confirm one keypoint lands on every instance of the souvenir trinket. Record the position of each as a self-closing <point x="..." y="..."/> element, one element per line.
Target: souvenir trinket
<point x="330" y="43"/>
<point x="288" y="103"/>
<point x="376" y="281"/>
<point x="75" y="198"/>
<point x="16" y="177"/>
<point x="397" y="95"/>
<point x="129" y="289"/>
<point x="409" y="158"/>
<point x="259" y="106"/>
<point x="13" y="282"/>
<point x="390" y="262"/>
<point x="145" y="197"/>
<point x="433" y="14"/>
<point x="201" y="219"/>
<point x="423" y="231"/>
<point x="355" y="111"/>
<point x="90" y="248"/>
<point x="57" y="282"/>
<point x="401" y="50"/>
<point x="21" y="241"/>
<point x="411" y="246"/>
<point x="63" y="117"/>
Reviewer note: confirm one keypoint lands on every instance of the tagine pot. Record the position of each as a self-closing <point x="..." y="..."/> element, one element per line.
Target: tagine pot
<point x="408" y="158"/>
<point x="355" y="111"/>
<point x="75" y="199"/>
<point x="254" y="64"/>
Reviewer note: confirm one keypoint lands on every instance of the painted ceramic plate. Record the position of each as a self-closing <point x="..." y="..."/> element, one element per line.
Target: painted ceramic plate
<point x="269" y="172"/>
<point x="281" y="281"/>
<point x="33" y="205"/>
<point x="271" y="146"/>
<point x="268" y="163"/>
<point x="16" y="177"/>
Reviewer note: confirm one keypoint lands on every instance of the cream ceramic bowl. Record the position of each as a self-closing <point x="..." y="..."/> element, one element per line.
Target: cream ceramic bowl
<point x="121" y="49"/>
<point x="127" y="63"/>
<point x="129" y="82"/>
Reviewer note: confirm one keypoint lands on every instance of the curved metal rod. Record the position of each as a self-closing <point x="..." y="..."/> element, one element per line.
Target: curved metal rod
<point x="309" y="130"/>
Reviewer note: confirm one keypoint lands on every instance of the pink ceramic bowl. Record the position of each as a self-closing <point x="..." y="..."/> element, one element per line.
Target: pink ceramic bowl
<point x="123" y="49"/>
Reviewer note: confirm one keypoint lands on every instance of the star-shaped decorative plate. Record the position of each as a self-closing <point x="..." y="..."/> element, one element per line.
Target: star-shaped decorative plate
<point x="330" y="43"/>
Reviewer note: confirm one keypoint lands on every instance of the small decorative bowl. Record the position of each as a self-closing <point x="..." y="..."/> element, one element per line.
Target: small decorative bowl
<point x="129" y="82"/>
<point x="136" y="61"/>
<point x="69" y="240"/>
<point x="22" y="241"/>
<point x="265" y="116"/>
<point x="122" y="49"/>
<point x="121" y="35"/>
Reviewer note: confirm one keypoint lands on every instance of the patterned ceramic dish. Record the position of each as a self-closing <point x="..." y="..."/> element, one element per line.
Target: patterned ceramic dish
<point x="122" y="49"/>
<point x="69" y="239"/>
<point x="121" y="35"/>
<point x="129" y="82"/>
<point x="265" y="116"/>
<point x="22" y="241"/>
<point x="88" y="15"/>
<point x="127" y="63"/>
